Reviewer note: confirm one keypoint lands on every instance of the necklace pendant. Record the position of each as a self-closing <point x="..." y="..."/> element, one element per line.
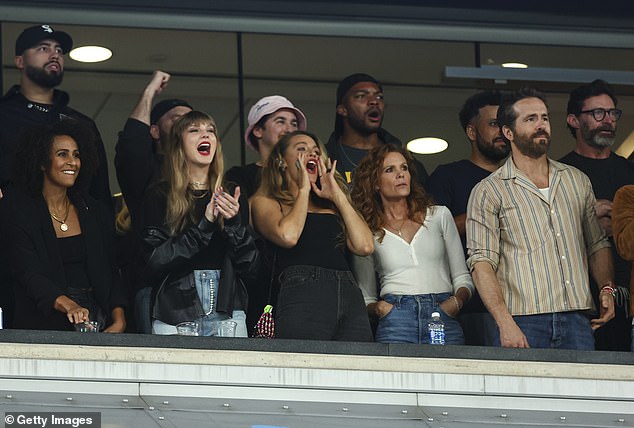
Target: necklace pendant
<point x="63" y="227"/>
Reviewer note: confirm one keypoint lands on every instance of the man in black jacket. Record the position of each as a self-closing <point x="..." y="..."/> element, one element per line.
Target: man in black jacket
<point x="138" y="162"/>
<point x="39" y="56"/>
<point x="138" y="154"/>
<point x="360" y="108"/>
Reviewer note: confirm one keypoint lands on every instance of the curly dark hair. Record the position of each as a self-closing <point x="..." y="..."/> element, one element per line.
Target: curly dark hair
<point x="471" y="107"/>
<point x="368" y="201"/>
<point x="33" y="155"/>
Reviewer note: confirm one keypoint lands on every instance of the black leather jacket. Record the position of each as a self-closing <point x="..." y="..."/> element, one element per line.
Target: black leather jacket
<point x="168" y="263"/>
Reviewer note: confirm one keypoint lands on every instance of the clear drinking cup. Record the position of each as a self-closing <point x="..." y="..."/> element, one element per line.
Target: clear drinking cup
<point x="188" y="328"/>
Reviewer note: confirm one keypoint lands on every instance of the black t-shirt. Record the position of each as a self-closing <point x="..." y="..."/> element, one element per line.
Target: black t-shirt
<point x="607" y="176"/>
<point x="247" y="177"/>
<point x="450" y="185"/>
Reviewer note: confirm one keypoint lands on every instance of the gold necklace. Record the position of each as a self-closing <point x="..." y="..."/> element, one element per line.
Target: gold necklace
<point x="204" y="192"/>
<point x="398" y="230"/>
<point x="197" y="184"/>
<point x="62" y="221"/>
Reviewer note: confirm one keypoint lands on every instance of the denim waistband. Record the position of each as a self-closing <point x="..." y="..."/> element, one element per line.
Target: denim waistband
<point x="316" y="272"/>
<point x="434" y="298"/>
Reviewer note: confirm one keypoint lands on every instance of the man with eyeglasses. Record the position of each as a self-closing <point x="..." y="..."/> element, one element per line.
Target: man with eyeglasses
<point x="592" y="120"/>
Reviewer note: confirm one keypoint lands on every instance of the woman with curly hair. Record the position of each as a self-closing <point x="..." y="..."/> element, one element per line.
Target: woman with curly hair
<point x="418" y="255"/>
<point x="197" y="249"/>
<point x="303" y="209"/>
<point x="61" y="240"/>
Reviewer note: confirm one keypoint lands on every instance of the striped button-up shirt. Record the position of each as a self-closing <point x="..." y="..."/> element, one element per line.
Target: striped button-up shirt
<point x="538" y="247"/>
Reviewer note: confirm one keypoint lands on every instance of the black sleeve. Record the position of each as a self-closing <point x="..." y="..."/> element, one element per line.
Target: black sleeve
<point x="243" y="252"/>
<point x="134" y="162"/>
<point x="21" y="226"/>
<point x="165" y="252"/>
<point x="118" y="295"/>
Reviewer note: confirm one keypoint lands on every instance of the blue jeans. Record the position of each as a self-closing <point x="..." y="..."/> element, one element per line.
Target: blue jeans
<point x="207" y="289"/>
<point x="408" y="319"/>
<point x="562" y="330"/>
<point x="320" y="304"/>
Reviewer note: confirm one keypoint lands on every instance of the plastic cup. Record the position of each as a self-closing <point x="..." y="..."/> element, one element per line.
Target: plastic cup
<point x="87" y="327"/>
<point x="226" y="329"/>
<point x="189" y="328"/>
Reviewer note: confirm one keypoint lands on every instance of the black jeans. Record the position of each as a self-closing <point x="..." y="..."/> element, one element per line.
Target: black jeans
<point x="321" y="304"/>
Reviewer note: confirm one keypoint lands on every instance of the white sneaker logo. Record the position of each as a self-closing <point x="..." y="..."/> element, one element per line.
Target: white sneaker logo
<point x="47" y="28"/>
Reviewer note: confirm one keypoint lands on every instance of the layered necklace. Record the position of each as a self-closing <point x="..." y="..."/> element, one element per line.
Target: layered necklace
<point x="61" y="220"/>
<point x="199" y="189"/>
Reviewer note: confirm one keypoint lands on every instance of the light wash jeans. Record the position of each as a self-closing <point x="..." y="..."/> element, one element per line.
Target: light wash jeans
<point x="407" y="321"/>
<point x="206" y="285"/>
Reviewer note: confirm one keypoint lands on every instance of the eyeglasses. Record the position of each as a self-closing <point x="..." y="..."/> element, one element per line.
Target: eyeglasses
<point x="599" y="113"/>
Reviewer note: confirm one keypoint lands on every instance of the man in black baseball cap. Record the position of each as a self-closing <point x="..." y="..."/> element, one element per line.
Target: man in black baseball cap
<point x="34" y="35"/>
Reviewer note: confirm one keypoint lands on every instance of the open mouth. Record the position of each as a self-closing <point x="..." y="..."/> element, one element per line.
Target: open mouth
<point x="374" y="115"/>
<point x="54" y="66"/>
<point x="311" y="166"/>
<point x="204" y="149"/>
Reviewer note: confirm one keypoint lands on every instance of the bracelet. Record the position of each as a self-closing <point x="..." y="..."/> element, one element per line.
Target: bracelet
<point x="455" y="299"/>
<point x="608" y="288"/>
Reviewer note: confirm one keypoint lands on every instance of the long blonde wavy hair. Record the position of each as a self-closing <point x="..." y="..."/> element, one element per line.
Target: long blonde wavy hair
<point x="275" y="181"/>
<point x="180" y="199"/>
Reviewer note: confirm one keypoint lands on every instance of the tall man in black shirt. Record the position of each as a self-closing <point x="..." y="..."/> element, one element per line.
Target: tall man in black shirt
<point x="358" y="125"/>
<point x="451" y="184"/>
<point x="592" y="120"/>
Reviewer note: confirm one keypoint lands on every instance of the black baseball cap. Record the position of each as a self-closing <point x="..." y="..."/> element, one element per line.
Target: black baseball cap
<point x="33" y="35"/>
<point x="164" y="106"/>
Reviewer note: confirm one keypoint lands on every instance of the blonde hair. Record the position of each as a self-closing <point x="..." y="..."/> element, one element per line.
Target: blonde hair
<point x="180" y="200"/>
<point x="275" y="181"/>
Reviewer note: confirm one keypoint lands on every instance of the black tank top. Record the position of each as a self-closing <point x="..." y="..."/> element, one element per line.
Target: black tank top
<point x="322" y="243"/>
<point x="73" y="252"/>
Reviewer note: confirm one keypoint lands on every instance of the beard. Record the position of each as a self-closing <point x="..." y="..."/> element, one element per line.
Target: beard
<point x="528" y="147"/>
<point x="43" y="78"/>
<point x="359" y="124"/>
<point x="489" y="149"/>
<point x="594" y="137"/>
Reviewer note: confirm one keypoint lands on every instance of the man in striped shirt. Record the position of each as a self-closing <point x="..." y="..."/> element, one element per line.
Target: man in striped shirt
<point x="532" y="234"/>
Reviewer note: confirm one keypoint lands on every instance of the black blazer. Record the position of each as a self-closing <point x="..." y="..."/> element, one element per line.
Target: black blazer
<point x="36" y="264"/>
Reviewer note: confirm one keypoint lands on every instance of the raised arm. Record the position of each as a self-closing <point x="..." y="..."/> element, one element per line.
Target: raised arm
<point x="143" y="107"/>
<point x="282" y="226"/>
<point x="359" y="238"/>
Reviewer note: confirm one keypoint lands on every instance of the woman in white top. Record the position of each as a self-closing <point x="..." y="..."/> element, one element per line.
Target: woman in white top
<point x="418" y="257"/>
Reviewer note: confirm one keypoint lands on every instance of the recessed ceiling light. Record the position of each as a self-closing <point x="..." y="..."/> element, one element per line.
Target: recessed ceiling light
<point x="427" y="145"/>
<point x="90" y="54"/>
<point x="514" y="65"/>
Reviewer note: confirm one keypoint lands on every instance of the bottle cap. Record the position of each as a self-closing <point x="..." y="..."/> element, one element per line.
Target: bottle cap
<point x="435" y="314"/>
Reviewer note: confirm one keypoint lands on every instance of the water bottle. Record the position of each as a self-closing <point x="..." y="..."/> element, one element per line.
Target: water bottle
<point x="436" y="329"/>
